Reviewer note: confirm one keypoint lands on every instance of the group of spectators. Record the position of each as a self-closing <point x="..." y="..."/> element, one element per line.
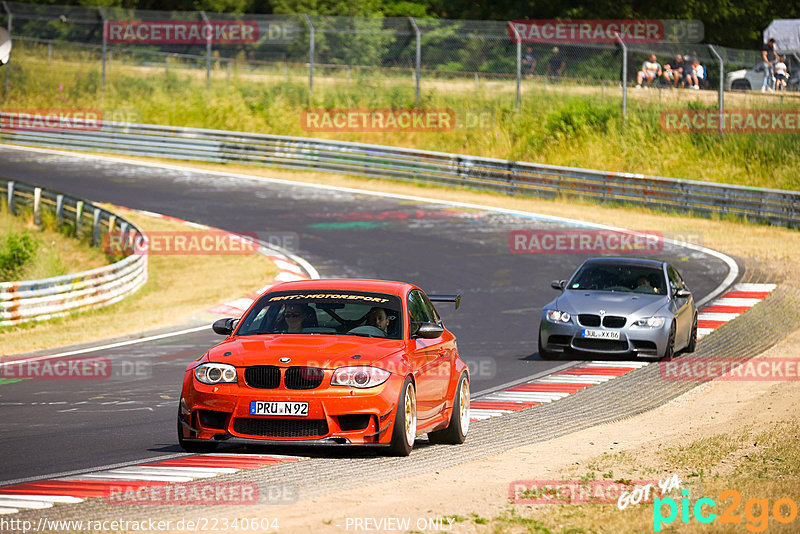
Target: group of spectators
<point x="775" y="72"/>
<point x="555" y="65"/>
<point x="683" y="71"/>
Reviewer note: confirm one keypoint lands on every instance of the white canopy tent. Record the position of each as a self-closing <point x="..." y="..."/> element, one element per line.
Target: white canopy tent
<point x="786" y="33"/>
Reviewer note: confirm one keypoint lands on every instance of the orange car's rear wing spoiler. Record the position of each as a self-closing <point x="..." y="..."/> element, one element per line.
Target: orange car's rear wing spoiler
<point x="455" y="299"/>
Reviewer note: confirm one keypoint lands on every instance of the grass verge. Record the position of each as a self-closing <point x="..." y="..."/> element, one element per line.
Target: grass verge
<point x="51" y="253"/>
<point x="556" y="124"/>
<point x="177" y="288"/>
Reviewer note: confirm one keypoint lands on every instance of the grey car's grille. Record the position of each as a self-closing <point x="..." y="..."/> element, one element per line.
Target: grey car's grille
<point x="609" y="321"/>
<point x="614" y="321"/>
<point x="600" y="344"/>
<point x="586" y="319"/>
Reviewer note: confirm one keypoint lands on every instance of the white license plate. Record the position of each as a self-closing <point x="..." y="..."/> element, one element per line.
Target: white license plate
<point x="600" y="334"/>
<point x="294" y="409"/>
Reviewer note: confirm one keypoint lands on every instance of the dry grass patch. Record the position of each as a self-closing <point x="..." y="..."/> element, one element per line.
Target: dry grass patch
<point x="178" y="287"/>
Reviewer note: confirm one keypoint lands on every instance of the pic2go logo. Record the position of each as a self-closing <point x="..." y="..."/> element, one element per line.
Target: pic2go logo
<point x="756" y="511"/>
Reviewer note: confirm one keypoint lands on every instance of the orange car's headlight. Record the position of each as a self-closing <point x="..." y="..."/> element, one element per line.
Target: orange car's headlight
<point x="359" y="376"/>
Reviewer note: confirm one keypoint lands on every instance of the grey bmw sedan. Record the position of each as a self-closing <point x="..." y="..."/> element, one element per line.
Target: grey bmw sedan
<point x="620" y="306"/>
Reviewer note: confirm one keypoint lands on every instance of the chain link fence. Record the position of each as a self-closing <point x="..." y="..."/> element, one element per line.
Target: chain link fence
<point x="328" y="49"/>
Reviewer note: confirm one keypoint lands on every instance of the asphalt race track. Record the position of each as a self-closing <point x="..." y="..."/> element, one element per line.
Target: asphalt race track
<point x="51" y="427"/>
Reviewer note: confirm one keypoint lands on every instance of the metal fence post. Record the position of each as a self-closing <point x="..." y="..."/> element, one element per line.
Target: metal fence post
<point x="518" y="40"/>
<point x="105" y="47"/>
<point x="10" y="197"/>
<point x="624" y="79"/>
<point x="311" y="31"/>
<point x="10" y="28"/>
<point x="208" y="48"/>
<point x="418" y="59"/>
<point x="721" y="86"/>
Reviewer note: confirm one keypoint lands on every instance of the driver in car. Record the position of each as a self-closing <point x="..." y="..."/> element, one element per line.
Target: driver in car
<point x="378" y="318"/>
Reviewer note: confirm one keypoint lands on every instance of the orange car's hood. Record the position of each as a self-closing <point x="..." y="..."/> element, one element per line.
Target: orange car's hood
<point x="327" y="351"/>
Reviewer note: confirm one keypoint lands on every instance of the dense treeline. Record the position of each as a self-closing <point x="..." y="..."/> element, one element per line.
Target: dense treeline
<point x="734" y="23"/>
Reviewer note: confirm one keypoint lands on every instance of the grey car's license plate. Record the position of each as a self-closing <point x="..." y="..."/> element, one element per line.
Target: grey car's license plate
<point x="600" y="334"/>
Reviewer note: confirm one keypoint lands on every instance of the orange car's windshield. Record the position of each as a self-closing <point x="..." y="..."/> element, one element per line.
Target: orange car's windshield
<point x="329" y="312"/>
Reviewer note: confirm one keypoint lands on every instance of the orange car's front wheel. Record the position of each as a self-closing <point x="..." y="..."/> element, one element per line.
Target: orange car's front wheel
<point x="405" y="421"/>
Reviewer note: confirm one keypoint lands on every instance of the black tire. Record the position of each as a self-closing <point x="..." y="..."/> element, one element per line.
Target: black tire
<point x="669" y="352"/>
<point x="546" y="354"/>
<point x="740" y="85"/>
<point x="193" y="446"/>
<point x="692" y="337"/>
<point x="402" y="437"/>
<point x="456" y="431"/>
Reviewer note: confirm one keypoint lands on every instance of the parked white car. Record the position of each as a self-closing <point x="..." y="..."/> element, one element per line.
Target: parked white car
<point x="752" y="79"/>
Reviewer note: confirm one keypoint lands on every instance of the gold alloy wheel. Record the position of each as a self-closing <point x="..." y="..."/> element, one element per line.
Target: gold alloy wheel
<point x="464" y="406"/>
<point x="411" y="414"/>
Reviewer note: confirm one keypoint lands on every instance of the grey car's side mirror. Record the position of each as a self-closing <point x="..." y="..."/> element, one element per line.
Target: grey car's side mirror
<point x="558" y="284"/>
<point x="683" y="293"/>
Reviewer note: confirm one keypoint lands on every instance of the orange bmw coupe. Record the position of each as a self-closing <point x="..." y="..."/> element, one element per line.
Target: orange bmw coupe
<point x="329" y="362"/>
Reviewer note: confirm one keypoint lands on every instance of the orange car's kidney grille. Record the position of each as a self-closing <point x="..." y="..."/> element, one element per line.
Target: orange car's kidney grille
<point x="281" y="428"/>
<point x="303" y="377"/>
<point x="263" y="376"/>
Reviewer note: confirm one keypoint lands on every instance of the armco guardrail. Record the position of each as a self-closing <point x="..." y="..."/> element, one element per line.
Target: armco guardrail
<point x="548" y="181"/>
<point x="42" y="299"/>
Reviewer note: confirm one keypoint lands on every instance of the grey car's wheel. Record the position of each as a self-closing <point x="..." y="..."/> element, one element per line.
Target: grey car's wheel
<point x="740" y="85"/>
<point x="546" y="354"/>
<point x="692" y="337"/>
<point x="669" y="352"/>
<point x="456" y="431"/>
<point x="405" y="421"/>
<point x="193" y="446"/>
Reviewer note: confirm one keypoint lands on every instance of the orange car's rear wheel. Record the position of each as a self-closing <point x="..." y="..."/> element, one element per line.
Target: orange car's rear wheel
<point x="405" y="421"/>
<point x="456" y="431"/>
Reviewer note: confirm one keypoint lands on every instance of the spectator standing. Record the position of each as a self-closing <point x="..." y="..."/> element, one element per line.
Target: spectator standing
<point x="781" y="75"/>
<point x="768" y="57"/>
<point x="651" y="71"/>
<point x="556" y="65"/>
<point x="529" y="61"/>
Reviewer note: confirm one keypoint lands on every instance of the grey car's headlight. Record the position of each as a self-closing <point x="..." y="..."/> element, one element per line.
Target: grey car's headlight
<point x="359" y="377"/>
<point x="651" y="322"/>
<point x="215" y="373"/>
<point x="556" y="316"/>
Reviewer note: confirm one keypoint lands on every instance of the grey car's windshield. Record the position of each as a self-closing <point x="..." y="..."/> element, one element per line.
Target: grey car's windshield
<point x="325" y="312"/>
<point x="623" y="278"/>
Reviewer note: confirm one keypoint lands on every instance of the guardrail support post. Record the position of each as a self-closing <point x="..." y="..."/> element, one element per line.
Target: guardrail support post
<point x="418" y="58"/>
<point x="59" y="210"/>
<point x="96" y="227"/>
<point x="11" y="198"/>
<point x="37" y="198"/>
<point x="78" y="216"/>
<point x="105" y="48"/>
<point x="10" y="28"/>
<point x="518" y="40"/>
<point x="721" y="86"/>
<point x="624" y="80"/>
<point x="208" y="49"/>
<point x="311" y="32"/>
